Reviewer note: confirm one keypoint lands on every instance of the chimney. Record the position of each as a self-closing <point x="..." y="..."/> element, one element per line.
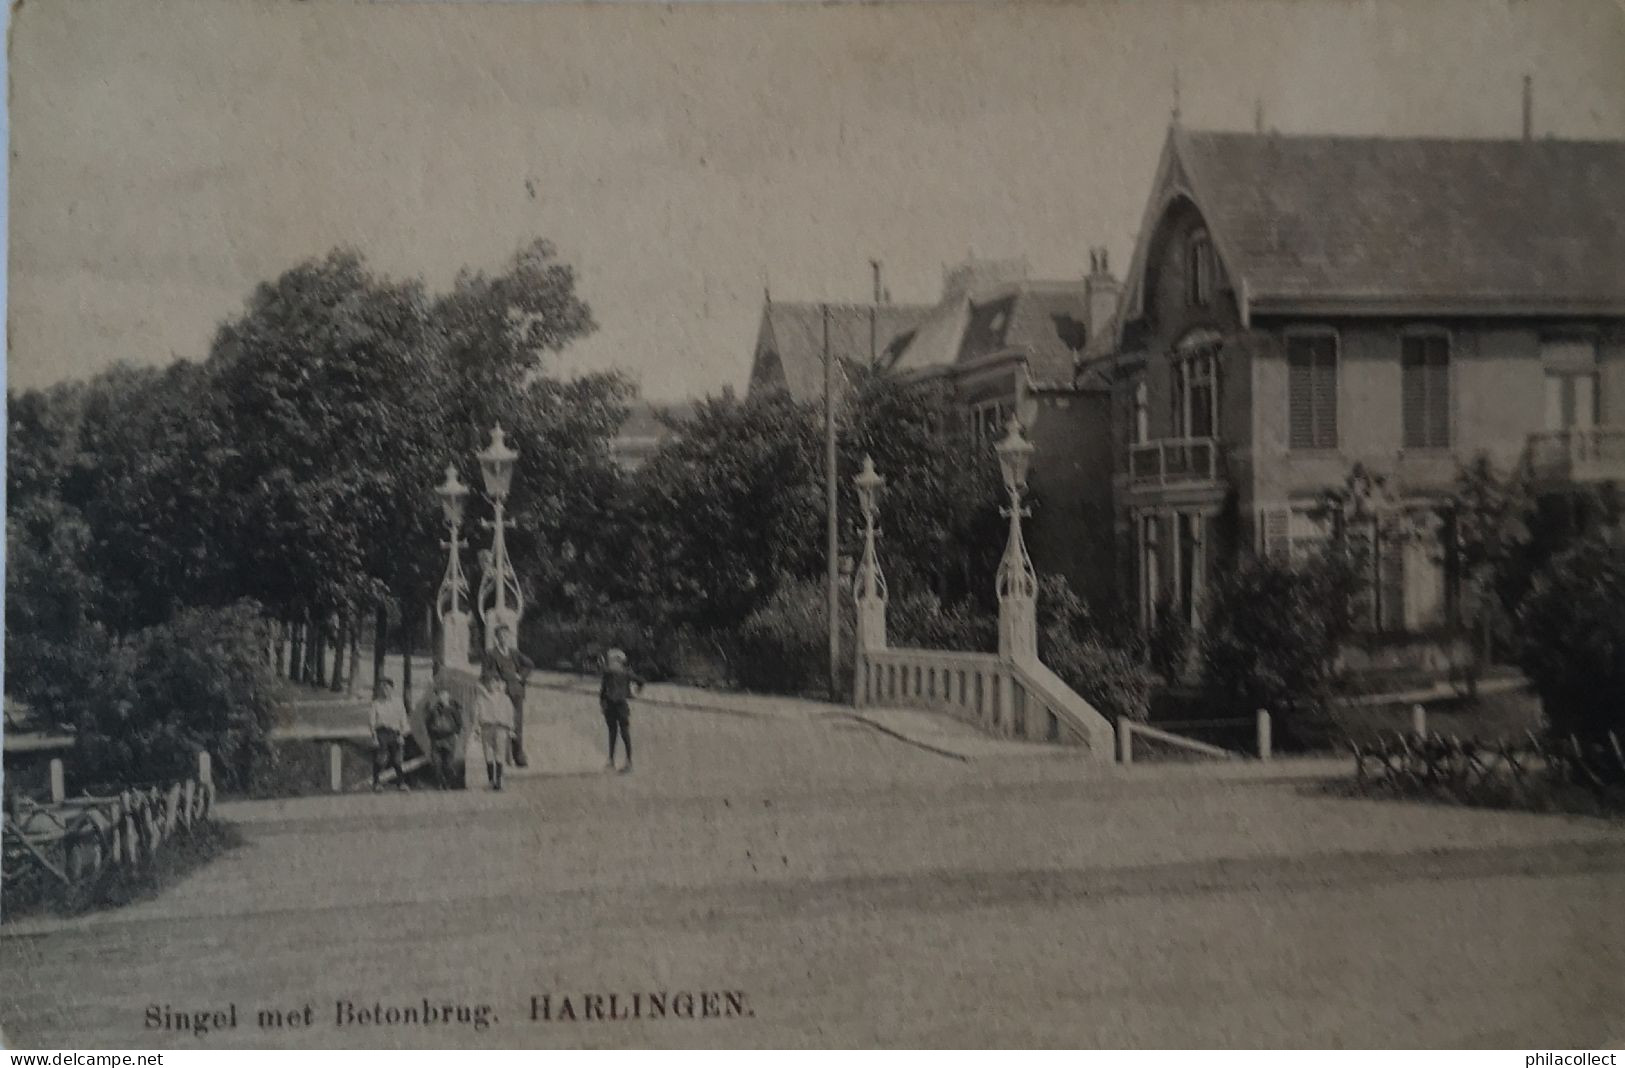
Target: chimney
<point x="879" y="291"/>
<point x="1528" y="107"/>
<point x="1100" y="292"/>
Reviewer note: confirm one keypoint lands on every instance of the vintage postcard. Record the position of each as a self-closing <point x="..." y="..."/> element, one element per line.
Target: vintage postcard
<point x="539" y="525"/>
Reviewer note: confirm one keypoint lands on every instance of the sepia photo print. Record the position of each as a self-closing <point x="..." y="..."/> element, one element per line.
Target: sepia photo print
<point x="879" y="525"/>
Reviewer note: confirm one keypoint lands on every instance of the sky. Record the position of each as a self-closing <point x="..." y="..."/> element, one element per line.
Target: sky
<point x="167" y="156"/>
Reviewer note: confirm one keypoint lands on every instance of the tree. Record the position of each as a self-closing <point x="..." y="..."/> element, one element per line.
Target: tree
<point x="941" y="504"/>
<point x="726" y="509"/>
<point x="326" y="380"/>
<point x="1491" y="517"/>
<point x="1569" y="636"/>
<point x="1273" y="630"/>
<point x="146" y="478"/>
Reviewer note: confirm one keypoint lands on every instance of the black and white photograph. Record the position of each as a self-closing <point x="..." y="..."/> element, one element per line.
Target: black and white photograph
<point x="900" y="525"/>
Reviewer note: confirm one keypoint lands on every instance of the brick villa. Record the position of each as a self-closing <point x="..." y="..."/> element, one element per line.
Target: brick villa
<point x="1300" y="304"/>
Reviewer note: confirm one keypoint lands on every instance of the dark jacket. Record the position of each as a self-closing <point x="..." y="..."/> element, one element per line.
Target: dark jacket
<point x="443" y="719"/>
<point x="616" y="686"/>
<point x="512" y="667"/>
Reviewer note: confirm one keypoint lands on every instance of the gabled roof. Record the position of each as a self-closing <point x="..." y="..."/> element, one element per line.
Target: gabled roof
<point x="1047" y="322"/>
<point x="790" y="341"/>
<point x="644" y="429"/>
<point x="645" y="419"/>
<point x="1320" y="223"/>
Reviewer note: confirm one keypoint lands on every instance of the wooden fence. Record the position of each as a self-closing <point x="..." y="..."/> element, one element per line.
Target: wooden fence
<point x="72" y="841"/>
<point x="1420" y="760"/>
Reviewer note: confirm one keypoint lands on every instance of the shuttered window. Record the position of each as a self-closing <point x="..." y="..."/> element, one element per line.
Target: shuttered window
<point x="1425" y="362"/>
<point x="1274" y="532"/>
<point x="1312" y="391"/>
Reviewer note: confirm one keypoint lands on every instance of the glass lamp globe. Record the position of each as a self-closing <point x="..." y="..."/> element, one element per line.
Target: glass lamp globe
<point x="452" y="493"/>
<point x="496" y="464"/>
<point x="1015" y="454"/>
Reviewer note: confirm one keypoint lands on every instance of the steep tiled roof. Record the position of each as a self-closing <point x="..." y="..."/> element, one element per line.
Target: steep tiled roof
<point x="790" y="341"/>
<point x="1045" y="321"/>
<point x="1509" y="225"/>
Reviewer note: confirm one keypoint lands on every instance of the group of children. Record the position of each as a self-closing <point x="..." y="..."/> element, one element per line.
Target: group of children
<point x="495" y="712"/>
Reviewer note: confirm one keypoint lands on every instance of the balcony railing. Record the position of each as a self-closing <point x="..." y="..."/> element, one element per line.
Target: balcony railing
<point x="1173" y="461"/>
<point x="1593" y="454"/>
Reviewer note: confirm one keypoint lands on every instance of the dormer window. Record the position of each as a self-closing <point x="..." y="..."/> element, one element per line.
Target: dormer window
<point x="1199" y="286"/>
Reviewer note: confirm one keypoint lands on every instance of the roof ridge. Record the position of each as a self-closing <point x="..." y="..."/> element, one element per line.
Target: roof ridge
<point x="1254" y="135"/>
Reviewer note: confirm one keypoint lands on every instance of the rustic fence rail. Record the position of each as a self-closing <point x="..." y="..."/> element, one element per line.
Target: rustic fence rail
<point x="1446" y="763"/>
<point x="76" y="840"/>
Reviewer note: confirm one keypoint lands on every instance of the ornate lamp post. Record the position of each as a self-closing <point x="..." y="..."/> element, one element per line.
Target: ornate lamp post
<point x="869" y="589"/>
<point x="1017" y="581"/>
<point x="500" y="600"/>
<point x="451" y="604"/>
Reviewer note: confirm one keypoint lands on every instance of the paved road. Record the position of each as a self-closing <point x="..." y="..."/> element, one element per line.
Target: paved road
<point x="850" y="888"/>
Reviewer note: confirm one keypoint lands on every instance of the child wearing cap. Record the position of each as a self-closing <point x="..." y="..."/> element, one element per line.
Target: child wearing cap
<point x="389" y="730"/>
<point x="494" y="713"/>
<point x="614" y="698"/>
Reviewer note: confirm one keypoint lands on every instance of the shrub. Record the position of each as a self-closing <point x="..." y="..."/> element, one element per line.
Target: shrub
<point x="783" y="646"/>
<point x="921" y="621"/>
<point x="1112" y="677"/>
<point x="1168" y="646"/>
<point x="199" y="682"/>
<point x="658" y="648"/>
<point x="1273" y="631"/>
<point x="1570" y="636"/>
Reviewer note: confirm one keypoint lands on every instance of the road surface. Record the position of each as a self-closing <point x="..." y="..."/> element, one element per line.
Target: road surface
<point x="792" y="877"/>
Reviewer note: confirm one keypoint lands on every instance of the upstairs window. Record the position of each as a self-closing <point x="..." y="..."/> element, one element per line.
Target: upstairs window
<point x="1425" y="389"/>
<point x="1199" y="286"/>
<point x="1311" y="391"/>
<point x="989" y="419"/>
<point x="1196" y="395"/>
<point x="1571" y="383"/>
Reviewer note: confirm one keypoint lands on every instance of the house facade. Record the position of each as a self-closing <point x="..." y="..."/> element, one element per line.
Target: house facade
<point x="1297" y="306"/>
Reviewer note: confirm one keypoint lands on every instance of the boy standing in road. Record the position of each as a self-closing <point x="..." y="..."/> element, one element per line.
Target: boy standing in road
<point x="495" y="715"/>
<point x="615" y="699"/>
<point x="512" y="666"/>
<point x="389" y="730"/>
<point x="443" y="719"/>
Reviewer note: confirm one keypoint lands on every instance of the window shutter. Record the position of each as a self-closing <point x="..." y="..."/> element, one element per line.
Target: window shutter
<point x="1274" y="532"/>
<point x="1325" y="398"/>
<point x="1426" y="392"/>
<point x="1414" y="392"/>
<point x="1391" y="573"/>
<point x="1312" y="392"/>
<point x="1300" y="389"/>
<point x="1438" y="379"/>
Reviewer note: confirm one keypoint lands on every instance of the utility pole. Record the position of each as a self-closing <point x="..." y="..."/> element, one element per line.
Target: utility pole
<point x="832" y="545"/>
<point x="874" y="316"/>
